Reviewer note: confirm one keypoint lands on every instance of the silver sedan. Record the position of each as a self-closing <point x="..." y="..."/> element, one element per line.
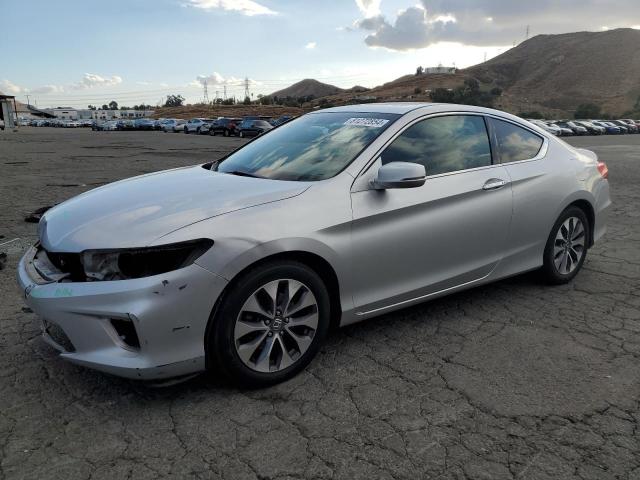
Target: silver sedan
<point x="242" y="265"/>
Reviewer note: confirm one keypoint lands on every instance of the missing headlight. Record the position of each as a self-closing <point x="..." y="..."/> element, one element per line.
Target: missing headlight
<point x="123" y="264"/>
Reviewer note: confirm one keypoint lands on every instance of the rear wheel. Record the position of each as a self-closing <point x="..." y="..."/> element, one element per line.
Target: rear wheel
<point x="186" y="130"/>
<point x="566" y="247"/>
<point x="270" y="325"/>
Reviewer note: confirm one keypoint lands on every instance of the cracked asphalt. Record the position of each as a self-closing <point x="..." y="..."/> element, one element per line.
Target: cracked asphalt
<point x="514" y="380"/>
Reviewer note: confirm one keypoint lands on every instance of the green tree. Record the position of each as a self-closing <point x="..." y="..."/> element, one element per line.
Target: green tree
<point x="113" y="105"/>
<point x="535" y="115"/>
<point x="91" y="107"/>
<point x="247" y="101"/>
<point x="587" y="110"/>
<point x="174" y="101"/>
<point x="104" y="107"/>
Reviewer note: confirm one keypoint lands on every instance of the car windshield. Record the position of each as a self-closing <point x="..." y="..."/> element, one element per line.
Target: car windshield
<point x="316" y="146"/>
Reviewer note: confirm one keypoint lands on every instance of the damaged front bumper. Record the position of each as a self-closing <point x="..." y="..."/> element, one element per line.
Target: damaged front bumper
<point x="145" y="328"/>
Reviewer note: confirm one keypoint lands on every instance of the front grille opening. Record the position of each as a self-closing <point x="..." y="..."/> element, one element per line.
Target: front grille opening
<point x="58" y="336"/>
<point x="126" y="332"/>
<point x="68" y="263"/>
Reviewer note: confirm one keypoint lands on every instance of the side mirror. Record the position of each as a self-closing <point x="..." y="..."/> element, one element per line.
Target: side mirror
<point x="399" y="175"/>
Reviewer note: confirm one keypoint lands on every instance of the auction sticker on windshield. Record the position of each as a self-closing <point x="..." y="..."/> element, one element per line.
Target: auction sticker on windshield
<point x="366" y="122"/>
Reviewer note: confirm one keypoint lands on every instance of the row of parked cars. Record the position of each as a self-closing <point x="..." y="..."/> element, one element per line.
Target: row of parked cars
<point x="241" y="127"/>
<point x="565" y="128"/>
<point x="54" y="122"/>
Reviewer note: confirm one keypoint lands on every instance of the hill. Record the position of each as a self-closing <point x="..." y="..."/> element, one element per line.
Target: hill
<point x="556" y="73"/>
<point x="306" y="88"/>
<point x="214" y="111"/>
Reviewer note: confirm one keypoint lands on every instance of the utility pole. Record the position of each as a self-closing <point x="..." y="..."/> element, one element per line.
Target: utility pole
<point x="527" y="35"/>
<point x="28" y="104"/>
<point x="224" y="90"/>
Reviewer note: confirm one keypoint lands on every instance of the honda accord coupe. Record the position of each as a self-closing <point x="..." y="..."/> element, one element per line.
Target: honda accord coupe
<point x="243" y="264"/>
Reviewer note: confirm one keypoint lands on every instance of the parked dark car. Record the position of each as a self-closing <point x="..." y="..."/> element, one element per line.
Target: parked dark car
<point x="611" y="129"/>
<point x="631" y="128"/>
<point x="225" y="126"/>
<point x="591" y="128"/>
<point x="253" y="128"/>
<point x="279" y="121"/>
<point x="126" y="124"/>
<point x="574" y="127"/>
<point x="144" y="124"/>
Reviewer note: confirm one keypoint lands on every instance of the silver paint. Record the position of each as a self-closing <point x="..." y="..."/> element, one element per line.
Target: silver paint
<point x="388" y="248"/>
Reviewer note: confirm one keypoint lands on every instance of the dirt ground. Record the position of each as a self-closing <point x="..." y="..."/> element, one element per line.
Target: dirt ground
<point x="514" y="380"/>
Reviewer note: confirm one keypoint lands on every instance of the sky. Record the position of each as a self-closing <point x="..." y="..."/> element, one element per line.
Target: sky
<point x="78" y="52"/>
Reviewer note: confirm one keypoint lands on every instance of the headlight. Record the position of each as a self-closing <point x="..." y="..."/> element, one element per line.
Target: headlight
<point x="123" y="264"/>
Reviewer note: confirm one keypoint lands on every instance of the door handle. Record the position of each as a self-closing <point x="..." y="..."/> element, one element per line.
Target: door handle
<point x="494" y="184"/>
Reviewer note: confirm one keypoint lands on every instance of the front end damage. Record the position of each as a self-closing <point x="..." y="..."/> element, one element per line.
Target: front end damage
<point x="151" y="327"/>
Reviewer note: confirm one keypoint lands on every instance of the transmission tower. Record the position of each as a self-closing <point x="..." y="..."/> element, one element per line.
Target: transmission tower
<point x="206" y="92"/>
<point x="246" y="88"/>
<point x="224" y="92"/>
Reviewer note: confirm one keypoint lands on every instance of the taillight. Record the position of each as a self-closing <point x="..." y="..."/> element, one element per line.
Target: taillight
<point x="602" y="168"/>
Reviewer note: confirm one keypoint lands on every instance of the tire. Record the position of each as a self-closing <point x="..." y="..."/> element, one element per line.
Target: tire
<point x="186" y="130"/>
<point x="232" y="329"/>
<point x="198" y="130"/>
<point x="241" y="134"/>
<point x="212" y="132"/>
<point x="556" y="270"/>
<point x="226" y="132"/>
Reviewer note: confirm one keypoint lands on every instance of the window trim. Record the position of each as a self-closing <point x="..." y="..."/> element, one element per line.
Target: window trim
<point x="494" y="158"/>
<point x="542" y="152"/>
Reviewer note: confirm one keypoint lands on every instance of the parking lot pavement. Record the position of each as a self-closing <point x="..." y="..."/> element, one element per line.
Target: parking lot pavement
<point x="510" y="380"/>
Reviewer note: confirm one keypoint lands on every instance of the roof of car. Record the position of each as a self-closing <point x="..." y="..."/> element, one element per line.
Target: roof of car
<point x="399" y="108"/>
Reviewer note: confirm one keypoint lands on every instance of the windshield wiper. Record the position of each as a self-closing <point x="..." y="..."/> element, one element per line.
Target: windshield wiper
<point x="240" y="173"/>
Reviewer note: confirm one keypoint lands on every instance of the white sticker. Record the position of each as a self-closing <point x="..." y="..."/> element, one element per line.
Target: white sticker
<point x="367" y="122"/>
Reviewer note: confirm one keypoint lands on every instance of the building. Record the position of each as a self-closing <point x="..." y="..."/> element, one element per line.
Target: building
<point x="69" y="113"/>
<point x="441" y="69"/>
<point x="8" y="110"/>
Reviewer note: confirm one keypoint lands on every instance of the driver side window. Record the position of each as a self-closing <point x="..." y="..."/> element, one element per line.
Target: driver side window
<point x="443" y="144"/>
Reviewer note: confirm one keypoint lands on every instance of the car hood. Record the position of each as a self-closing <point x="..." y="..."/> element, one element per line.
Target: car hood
<point x="137" y="211"/>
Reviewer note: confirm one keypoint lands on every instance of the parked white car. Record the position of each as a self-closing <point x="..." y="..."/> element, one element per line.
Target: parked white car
<point x="555" y="130"/>
<point x="195" y="124"/>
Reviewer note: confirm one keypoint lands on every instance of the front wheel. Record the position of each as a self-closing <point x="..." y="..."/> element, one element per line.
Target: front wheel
<point x="270" y="325"/>
<point x="186" y="130"/>
<point x="566" y="247"/>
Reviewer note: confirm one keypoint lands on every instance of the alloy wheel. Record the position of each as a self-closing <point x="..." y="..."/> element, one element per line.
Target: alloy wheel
<point x="276" y="325"/>
<point x="569" y="245"/>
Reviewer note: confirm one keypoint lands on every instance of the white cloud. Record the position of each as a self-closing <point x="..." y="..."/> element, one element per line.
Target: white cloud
<point x="369" y="8"/>
<point x="310" y="45"/>
<point x="90" y="80"/>
<point x="488" y="22"/>
<point x="246" y="7"/>
<point x="9" y="87"/>
<point x="45" y="89"/>
<point x="215" y="79"/>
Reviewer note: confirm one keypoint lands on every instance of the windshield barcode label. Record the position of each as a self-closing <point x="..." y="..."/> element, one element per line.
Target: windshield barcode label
<point x="367" y="122"/>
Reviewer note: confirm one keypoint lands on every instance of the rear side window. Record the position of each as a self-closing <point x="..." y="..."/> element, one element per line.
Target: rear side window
<point x="515" y="143"/>
<point x="443" y="144"/>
